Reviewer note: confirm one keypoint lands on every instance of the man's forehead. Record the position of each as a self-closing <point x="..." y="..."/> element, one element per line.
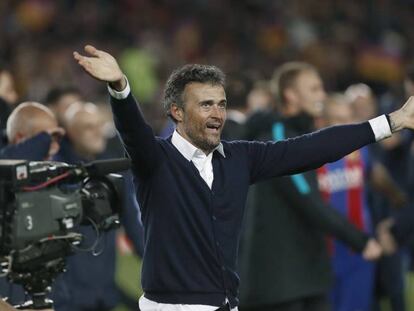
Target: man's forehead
<point x="42" y="124"/>
<point x="204" y="91"/>
<point x="308" y="76"/>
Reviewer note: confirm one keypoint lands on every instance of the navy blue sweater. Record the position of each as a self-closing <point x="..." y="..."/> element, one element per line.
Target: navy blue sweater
<point x="192" y="232"/>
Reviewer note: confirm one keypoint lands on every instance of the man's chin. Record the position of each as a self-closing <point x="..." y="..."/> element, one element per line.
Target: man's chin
<point x="208" y="145"/>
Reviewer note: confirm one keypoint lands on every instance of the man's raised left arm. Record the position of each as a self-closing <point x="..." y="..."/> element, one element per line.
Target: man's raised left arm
<point x="312" y="150"/>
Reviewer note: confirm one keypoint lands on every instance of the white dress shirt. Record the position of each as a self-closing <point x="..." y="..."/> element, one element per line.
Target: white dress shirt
<point x="203" y="163"/>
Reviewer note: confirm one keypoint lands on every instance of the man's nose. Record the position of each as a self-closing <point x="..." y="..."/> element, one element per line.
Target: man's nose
<point x="216" y="111"/>
<point x="54" y="148"/>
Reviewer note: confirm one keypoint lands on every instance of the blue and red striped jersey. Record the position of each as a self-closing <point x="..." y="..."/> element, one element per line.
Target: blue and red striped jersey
<point x="342" y="184"/>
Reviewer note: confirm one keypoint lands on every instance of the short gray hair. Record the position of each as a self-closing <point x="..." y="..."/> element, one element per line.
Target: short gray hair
<point x="182" y="76"/>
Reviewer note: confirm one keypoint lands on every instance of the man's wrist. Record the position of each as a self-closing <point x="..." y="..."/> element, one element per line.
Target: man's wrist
<point x="119" y="85"/>
<point x="396" y="121"/>
<point x="122" y="93"/>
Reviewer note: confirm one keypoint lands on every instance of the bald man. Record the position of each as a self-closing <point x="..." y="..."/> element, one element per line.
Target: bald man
<point x="84" y="125"/>
<point x="33" y="133"/>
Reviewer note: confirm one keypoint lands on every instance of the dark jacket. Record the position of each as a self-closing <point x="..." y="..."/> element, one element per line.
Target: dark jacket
<point x="32" y="149"/>
<point x="283" y="252"/>
<point x="192" y="231"/>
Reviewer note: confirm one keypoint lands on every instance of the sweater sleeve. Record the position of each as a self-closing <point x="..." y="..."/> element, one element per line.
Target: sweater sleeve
<point x="308" y="203"/>
<point x="32" y="149"/>
<point x="137" y="136"/>
<point x="306" y="152"/>
<point x="130" y="215"/>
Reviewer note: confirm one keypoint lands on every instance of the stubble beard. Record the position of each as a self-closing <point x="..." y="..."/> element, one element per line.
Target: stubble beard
<point x="203" y="142"/>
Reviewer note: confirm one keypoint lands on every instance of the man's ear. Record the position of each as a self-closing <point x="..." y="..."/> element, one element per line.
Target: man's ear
<point x="18" y="138"/>
<point x="290" y="96"/>
<point x="177" y="113"/>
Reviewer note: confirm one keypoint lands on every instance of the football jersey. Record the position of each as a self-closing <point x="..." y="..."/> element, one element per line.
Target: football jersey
<point x="342" y="184"/>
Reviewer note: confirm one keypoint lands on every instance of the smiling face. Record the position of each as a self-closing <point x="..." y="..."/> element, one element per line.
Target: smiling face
<point x="202" y="117"/>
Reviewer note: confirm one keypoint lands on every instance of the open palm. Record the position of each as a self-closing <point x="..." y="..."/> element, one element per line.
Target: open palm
<point x="99" y="64"/>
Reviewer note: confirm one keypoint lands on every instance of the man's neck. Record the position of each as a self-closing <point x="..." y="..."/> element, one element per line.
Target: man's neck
<point x="84" y="155"/>
<point x="188" y="139"/>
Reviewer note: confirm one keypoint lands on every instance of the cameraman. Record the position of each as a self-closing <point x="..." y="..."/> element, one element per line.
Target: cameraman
<point x="84" y="286"/>
<point x="33" y="134"/>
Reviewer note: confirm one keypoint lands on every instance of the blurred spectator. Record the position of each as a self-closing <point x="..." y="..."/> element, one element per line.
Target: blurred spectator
<point x="347" y="41"/>
<point x="397" y="231"/>
<point x="342" y="184"/>
<point x="259" y="98"/>
<point x="59" y="100"/>
<point x="391" y="152"/>
<point x="34" y="135"/>
<point x="84" y="286"/>
<point x="7" y="89"/>
<point x="363" y="103"/>
<point x="237" y="88"/>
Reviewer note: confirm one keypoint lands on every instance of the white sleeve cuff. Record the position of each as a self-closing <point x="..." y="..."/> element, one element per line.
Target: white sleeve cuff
<point x="120" y="94"/>
<point x="380" y="127"/>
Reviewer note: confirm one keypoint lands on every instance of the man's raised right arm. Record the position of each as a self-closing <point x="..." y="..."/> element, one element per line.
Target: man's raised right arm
<point x="137" y="136"/>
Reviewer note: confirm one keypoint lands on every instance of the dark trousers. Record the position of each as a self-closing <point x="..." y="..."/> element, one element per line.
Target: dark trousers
<point x="315" y="303"/>
<point x="390" y="282"/>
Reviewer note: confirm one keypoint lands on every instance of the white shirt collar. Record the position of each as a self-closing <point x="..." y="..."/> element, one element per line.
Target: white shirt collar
<point x="187" y="149"/>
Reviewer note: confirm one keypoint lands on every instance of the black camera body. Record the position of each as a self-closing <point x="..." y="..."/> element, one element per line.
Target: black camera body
<point x="41" y="206"/>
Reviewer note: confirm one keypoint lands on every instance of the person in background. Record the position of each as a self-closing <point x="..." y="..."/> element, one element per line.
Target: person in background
<point x="33" y="134"/>
<point x="392" y="153"/>
<point x="7" y="87"/>
<point x="342" y="184"/>
<point x="238" y="86"/>
<point x="84" y="286"/>
<point x="293" y="272"/>
<point x="259" y="98"/>
<point x="58" y="99"/>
